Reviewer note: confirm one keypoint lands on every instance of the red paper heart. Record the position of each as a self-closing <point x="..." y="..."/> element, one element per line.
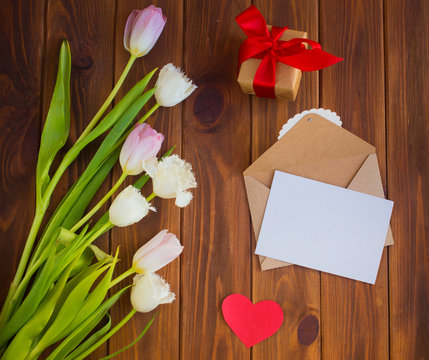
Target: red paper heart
<point x="252" y="323"/>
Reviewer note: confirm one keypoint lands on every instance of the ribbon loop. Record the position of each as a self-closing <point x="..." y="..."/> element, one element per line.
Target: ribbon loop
<point x="267" y="46"/>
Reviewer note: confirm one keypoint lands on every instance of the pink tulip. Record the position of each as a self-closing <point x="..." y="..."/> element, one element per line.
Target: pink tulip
<point x="143" y="29"/>
<point x="142" y="144"/>
<point x="157" y="253"/>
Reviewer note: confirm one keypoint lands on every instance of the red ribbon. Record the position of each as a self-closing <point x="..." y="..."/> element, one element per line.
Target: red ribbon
<point x="266" y="45"/>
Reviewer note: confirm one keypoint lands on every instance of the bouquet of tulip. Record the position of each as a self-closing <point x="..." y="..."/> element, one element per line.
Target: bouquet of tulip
<point x="59" y="295"/>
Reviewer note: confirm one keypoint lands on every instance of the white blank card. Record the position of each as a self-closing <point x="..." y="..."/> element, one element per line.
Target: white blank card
<point x="324" y="227"/>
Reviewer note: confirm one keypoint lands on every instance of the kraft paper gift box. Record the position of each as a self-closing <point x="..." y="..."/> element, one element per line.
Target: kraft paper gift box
<point x="288" y="78"/>
<point x="317" y="149"/>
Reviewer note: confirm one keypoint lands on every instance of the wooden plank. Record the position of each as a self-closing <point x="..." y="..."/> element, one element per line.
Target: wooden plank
<point x="91" y="38"/>
<point x="295" y="288"/>
<point x="355" y="315"/>
<point x="22" y="49"/>
<point x="162" y="339"/>
<point x="407" y="67"/>
<point x="216" y="140"/>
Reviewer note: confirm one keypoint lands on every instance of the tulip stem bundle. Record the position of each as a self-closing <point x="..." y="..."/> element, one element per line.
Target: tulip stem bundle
<point x="60" y="293"/>
<point x="42" y="206"/>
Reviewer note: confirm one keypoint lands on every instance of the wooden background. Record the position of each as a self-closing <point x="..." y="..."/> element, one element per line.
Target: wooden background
<point x="381" y="93"/>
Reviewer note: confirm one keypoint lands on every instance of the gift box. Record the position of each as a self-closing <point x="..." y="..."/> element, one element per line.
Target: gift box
<point x="271" y="58"/>
<point x="287" y="80"/>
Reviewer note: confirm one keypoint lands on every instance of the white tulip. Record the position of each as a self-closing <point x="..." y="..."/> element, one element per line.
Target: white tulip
<point x="172" y="86"/>
<point x="149" y="291"/>
<point x="129" y="207"/>
<point x="171" y="178"/>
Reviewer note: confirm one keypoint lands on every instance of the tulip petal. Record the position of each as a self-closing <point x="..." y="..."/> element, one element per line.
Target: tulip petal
<point x="129" y="27"/>
<point x="160" y="253"/>
<point x="146" y="31"/>
<point x="128" y="207"/>
<point x="183" y="199"/>
<point x="149" y="246"/>
<point x="150" y="166"/>
<point x="141" y="144"/>
<point x="172" y="86"/>
<point x="149" y="291"/>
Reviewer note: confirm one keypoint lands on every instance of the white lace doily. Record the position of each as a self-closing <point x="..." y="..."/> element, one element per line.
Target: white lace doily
<point x="327" y="114"/>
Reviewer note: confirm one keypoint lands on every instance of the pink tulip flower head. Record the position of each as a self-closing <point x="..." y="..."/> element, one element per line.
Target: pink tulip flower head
<point x="156" y="253"/>
<point x="143" y="29"/>
<point x="143" y="143"/>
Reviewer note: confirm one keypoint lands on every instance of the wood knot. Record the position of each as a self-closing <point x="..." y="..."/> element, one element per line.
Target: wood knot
<point x="208" y="106"/>
<point x="83" y="62"/>
<point x="308" y="330"/>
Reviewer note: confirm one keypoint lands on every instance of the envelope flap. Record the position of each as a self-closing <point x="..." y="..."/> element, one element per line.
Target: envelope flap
<point x="368" y="180"/>
<point x="313" y="139"/>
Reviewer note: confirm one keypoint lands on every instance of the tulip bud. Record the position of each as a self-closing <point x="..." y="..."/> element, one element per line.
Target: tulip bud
<point x="171" y="178"/>
<point x="157" y="252"/>
<point x="129" y="207"/>
<point x="149" y="291"/>
<point x="143" y="29"/>
<point x="172" y="86"/>
<point x="142" y="143"/>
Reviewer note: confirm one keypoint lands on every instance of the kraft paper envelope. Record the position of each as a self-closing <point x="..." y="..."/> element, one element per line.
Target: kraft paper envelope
<point x="317" y="149"/>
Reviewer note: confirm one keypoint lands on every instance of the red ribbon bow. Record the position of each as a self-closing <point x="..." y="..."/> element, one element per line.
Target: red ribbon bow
<point x="266" y="45"/>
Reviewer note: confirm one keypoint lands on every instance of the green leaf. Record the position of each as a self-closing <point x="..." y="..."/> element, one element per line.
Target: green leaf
<point x="93" y="300"/>
<point x="52" y="269"/>
<point x="72" y="283"/>
<point x="57" y="125"/>
<point x="66" y="237"/>
<point x="84" y="354"/>
<point x="133" y="343"/>
<point x="99" y="254"/>
<point x="83" y="262"/>
<point x="71" y="343"/>
<point x="31" y="301"/>
<point x="69" y="253"/>
<point x="68" y="311"/>
<point x="22" y="342"/>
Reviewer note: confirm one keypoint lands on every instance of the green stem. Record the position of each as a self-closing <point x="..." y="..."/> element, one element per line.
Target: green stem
<point x="107" y="336"/>
<point x="109" y="99"/>
<point x="150" y="197"/>
<point x="100" y="203"/>
<point x="122" y="277"/>
<point x="149" y="113"/>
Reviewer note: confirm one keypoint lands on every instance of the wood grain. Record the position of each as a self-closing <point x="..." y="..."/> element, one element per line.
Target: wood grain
<point x="221" y="131"/>
<point x="91" y="42"/>
<point x="407" y="67"/>
<point x="22" y="49"/>
<point x="296" y="289"/>
<point x="216" y="140"/>
<point x="355" y="315"/>
<point x="162" y="339"/>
